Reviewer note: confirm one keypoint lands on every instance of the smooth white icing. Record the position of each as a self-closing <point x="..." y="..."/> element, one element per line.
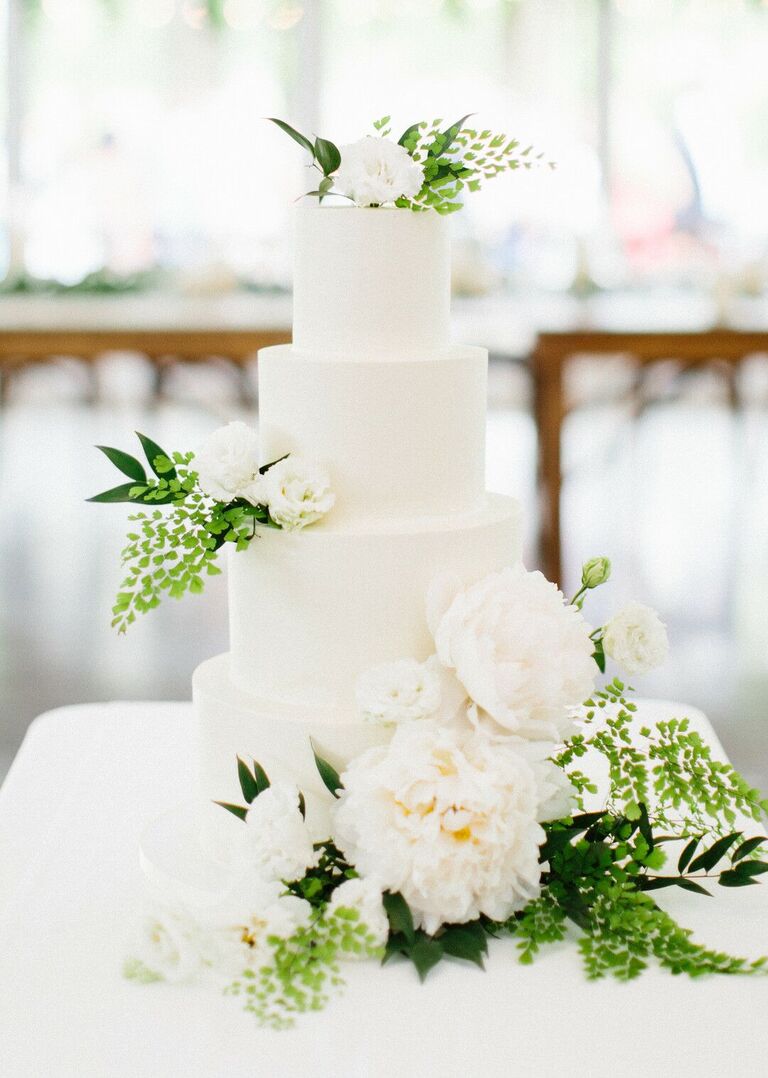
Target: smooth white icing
<point x="370" y="283"/>
<point x="310" y="610"/>
<point x="233" y="723"/>
<point x="412" y="438"/>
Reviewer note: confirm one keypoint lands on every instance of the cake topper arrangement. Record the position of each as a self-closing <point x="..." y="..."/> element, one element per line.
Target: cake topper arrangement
<point x="429" y="166"/>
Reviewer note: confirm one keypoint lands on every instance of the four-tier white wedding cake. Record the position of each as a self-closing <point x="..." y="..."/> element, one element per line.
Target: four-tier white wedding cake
<point x="373" y="389"/>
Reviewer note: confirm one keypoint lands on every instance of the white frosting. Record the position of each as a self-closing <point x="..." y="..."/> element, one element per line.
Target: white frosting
<point x="233" y="723"/>
<point x="412" y="439"/>
<point x="370" y="283"/>
<point x="310" y="610"/>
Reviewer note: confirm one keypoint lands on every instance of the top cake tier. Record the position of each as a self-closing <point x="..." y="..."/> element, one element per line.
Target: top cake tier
<point x="370" y="284"/>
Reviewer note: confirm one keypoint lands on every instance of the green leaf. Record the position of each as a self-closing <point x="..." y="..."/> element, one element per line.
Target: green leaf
<point x="116" y="494"/>
<point x="658" y="882"/>
<point x="262" y="782"/>
<point x="127" y="464"/>
<point x="599" y="656"/>
<point x="327" y="155"/>
<point x="747" y="847"/>
<point x="450" y="133"/>
<point x="248" y="783"/>
<point x="399" y="915"/>
<point x="751" y="868"/>
<point x="732" y="878"/>
<point x="328" y="773"/>
<point x="152" y="451"/>
<point x="265" y="467"/>
<point x="691" y="885"/>
<point x="236" y="810"/>
<point x="303" y="807"/>
<point x="709" y="858"/>
<point x="294" y="134"/>
<point x="409" y="131"/>
<point x="463" y="941"/>
<point x="425" y="954"/>
<point x="687" y="854"/>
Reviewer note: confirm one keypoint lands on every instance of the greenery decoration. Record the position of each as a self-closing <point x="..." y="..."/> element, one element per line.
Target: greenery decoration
<point x="172" y="552"/>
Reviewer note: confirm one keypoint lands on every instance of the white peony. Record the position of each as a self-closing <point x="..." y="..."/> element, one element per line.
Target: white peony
<point x="171" y="944"/>
<point x="446" y="816"/>
<point x="298" y="492"/>
<point x="227" y="463"/>
<point x="636" y="639"/>
<point x="279" y="842"/>
<point x="363" y="896"/>
<point x="375" y="171"/>
<point x="404" y="690"/>
<point x="522" y="654"/>
<point x="239" y="927"/>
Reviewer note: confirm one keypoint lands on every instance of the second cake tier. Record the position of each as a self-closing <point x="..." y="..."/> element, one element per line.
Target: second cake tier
<point x="310" y="610"/>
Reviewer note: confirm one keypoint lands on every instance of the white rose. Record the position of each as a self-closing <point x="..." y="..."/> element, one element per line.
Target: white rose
<point x="405" y="690"/>
<point x="279" y="842"/>
<point x="521" y="653"/>
<point x="446" y="816"/>
<point x="298" y="492"/>
<point x="227" y="462"/>
<point x="375" y="171"/>
<point x="363" y="896"/>
<point x="636" y="639"/>
<point x="240" y="926"/>
<point x="171" y="944"/>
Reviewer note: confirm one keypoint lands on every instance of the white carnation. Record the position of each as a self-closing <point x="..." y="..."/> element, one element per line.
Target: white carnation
<point x="363" y="896"/>
<point x="171" y="944"/>
<point x="297" y="491"/>
<point x="446" y="816"/>
<point x="400" y="691"/>
<point x="279" y="843"/>
<point x="227" y="463"/>
<point x="521" y="653"/>
<point x="636" y="639"/>
<point x="375" y="171"/>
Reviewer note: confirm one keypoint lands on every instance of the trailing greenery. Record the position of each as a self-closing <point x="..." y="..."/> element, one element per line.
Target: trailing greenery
<point x="173" y="551"/>
<point x="304" y="969"/>
<point x="459" y="159"/>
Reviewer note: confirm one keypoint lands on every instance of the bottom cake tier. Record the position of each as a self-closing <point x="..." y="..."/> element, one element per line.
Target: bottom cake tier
<point x="232" y="723"/>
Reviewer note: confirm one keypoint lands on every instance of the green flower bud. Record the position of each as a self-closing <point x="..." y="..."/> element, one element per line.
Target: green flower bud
<point x="595" y="572"/>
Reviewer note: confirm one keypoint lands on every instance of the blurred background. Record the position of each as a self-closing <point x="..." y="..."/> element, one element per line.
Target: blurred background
<point x="145" y="255"/>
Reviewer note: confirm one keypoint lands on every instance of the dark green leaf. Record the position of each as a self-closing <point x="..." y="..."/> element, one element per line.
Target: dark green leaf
<point x="265" y="467"/>
<point x="302" y="805"/>
<point x="687" y="854"/>
<point x="751" y="868"/>
<point x="407" y="134"/>
<point x="731" y="878"/>
<point x="328" y="773"/>
<point x="655" y="884"/>
<point x="248" y="783"/>
<point x="294" y="134"/>
<point x="327" y="155"/>
<point x="460" y="941"/>
<point x="452" y="132"/>
<point x="396" y="944"/>
<point x="709" y="858"/>
<point x="644" y="826"/>
<point x="425" y="954"/>
<point x="116" y="494"/>
<point x="599" y="656"/>
<point x="262" y="782"/>
<point x="236" y="810"/>
<point x="747" y="847"/>
<point x="127" y="464"/>
<point x="399" y="915"/>
<point x="691" y="885"/>
<point x="152" y="451"/>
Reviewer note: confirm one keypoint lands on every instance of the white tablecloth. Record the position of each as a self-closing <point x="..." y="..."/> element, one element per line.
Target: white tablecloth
<point x="87" y="781"/>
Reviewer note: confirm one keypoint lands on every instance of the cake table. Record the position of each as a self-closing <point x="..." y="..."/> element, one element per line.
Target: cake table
<point x="86" y="783"/>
